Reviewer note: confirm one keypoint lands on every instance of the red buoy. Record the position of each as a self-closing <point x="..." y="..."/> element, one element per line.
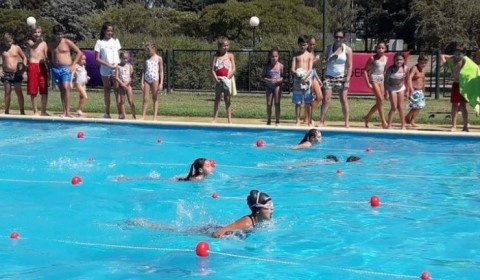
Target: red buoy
<point x="374" y="201"/>
<point x="76" y="180"/>
<point x="202" y="249"/>
<point x="213" y="163"/>
<point x="260" y="143"/>
<point x="80" y="134"/>
<point x="425" y="275"/>
<point x="14" y="235"/>
<point x="215" y="195"/>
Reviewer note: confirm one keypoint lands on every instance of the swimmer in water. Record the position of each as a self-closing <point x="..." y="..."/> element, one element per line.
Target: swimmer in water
<point x="260" y="204"/>
<point x="312" y="137"/>
<point x="199" y="169"/>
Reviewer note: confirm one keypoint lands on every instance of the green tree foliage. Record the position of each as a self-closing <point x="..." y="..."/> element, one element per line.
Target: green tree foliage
<point x="14" y="22"/>
<point x="443" y="22"/>
<point x="276" y="18"/>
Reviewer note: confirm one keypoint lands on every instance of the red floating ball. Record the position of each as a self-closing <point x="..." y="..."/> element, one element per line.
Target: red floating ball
<point x="14" y="235"/>
<point x="260" y="143"/>
<point x="76" y="180"/>
<point x="374" y="201"/>
<point x="339" y="171"/>
<point x="80" y="134"/>
<point x="202" y="249"/>
<point x="215" y="195"/>
<point x="213" y="163"/>
<point x="425" y="275"/>
<point x="368" y="149"/>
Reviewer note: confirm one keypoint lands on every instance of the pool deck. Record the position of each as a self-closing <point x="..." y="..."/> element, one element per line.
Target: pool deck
<point x="355" y="127"/>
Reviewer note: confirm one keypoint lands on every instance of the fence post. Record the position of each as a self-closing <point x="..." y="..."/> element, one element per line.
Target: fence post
<point x="167" y="72"/>
<point x="249" y="72"/>
<point x="437" y="74"/>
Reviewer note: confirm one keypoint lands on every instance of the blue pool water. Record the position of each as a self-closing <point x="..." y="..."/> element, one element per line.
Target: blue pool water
<point x="323" y="227"/>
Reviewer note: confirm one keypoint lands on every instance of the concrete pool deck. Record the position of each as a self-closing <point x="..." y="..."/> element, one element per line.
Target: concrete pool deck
<point x="359" y="127"/>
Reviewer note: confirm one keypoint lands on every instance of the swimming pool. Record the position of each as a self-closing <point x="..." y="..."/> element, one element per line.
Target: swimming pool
<point x="323" y="227"/>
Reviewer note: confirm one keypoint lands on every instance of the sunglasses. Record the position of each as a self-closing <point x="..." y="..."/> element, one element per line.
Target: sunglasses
<point x="338" y="37"/>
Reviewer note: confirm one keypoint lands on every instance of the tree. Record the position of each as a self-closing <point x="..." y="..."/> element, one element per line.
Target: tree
<point x="443" y="22"/>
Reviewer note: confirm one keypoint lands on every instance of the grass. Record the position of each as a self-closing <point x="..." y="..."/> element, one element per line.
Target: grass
<point x="244" y="106"/>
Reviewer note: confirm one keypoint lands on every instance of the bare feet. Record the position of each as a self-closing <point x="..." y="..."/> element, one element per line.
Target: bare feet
<point x="45" y="114"/>
<point x="297" y="124"/>
<point x="465" y="128"/>
<point x="385" y="126"/>
<point x="453" y="128"/>
<point x="80" y="113"/>
<point x="412" y="124"/>
<point x="366" y="120"/>
<point x="36" y="114"/>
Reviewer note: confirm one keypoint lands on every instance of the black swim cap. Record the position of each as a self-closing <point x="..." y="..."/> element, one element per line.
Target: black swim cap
<point x="353" y="158"/>
<point x="332" y="157"/>
<point x="257" y="199"/>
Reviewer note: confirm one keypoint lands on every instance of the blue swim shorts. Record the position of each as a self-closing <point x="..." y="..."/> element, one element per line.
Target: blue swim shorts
<point x="299" y="97"/>
<point x="61" y="74"/>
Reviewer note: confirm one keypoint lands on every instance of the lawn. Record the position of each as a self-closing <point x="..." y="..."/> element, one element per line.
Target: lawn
<point x="244" y="106"/>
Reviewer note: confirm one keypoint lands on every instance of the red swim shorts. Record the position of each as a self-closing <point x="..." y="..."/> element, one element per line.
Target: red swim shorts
<point x="37" y="79"/>
<point x="455" y="96"/>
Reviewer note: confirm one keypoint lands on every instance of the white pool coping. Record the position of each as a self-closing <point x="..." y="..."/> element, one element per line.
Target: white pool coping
<point x="245" y="126"/>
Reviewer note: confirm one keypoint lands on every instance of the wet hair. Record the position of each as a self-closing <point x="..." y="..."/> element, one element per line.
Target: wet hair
<point x="58" y="29"/>
<point x="422" y="57"/>
<point x="124" y="54"/>
<point x="105" y="26"/>
<point x="339" y="31"/>
<point x="221" y="40"/>
<point x="8" y="37"/>
<point x="270" y="53"/>
<point x="257" y="198"/>
<point x="302" y="39"/>
<point x="196" y="169"/>
<point x="332" y="158"/>
<point x="353" y="158"/>
<point x="312" y="133"/>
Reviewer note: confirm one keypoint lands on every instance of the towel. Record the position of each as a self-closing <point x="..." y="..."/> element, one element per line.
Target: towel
<point x="469" y="80"/>
<point x="229" y="84"/>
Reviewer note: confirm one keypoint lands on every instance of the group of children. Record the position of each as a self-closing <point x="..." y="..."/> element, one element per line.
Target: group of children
<point x="70" y="72"/>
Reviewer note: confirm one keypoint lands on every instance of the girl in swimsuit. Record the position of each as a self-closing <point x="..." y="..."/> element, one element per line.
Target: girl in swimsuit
<point x="374" y="76"/>
<point x="260" y="204"/>
<point x="223" y="69"/>
<point x="152" y="79"/>
<point x="124" y="78"/>
<point x="273" y="77"/>
<point x="396" y="80"/>
<point x="312" y="137"/>
<point x="199" y="169"/>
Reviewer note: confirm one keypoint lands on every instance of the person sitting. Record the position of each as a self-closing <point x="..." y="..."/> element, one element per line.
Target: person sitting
<point x="312" y="137"/>
<point x="199" y="169"/>
<point x="260" y="204"/>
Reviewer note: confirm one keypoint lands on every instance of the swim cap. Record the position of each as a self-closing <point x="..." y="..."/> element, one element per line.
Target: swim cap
<point x="257" y="200"/>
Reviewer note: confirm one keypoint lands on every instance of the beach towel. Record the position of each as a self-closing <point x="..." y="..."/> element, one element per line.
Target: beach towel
<point x="229" y="84"/>
<point x="469" y="80"/>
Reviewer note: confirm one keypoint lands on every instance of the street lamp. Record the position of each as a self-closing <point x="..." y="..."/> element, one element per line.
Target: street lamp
<point x="254" y="22"/>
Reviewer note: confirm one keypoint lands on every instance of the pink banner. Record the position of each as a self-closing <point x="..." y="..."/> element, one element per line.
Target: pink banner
<point x="357" y="81"/>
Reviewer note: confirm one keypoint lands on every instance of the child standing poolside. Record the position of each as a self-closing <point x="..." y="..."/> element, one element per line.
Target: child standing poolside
<point x="302" y="63"/>
<point x="124" y="78"/>
<point x="37" y="71"/>
<point x="223" y="70"/>
<point x="106" y="54"/>
<point x="12" y="71"/>
<point x="416" y="81"/>
<point x="316" y="81"/>
<point x="80" y="79"/>
<point x="397" y="81"/>
<point x="273" y="77"/>
<point x="374" y="74"/>
<point x="152" y="79"/>
<point x="456" y="62"/>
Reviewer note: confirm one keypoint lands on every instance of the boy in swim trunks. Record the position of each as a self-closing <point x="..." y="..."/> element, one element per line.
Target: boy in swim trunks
<point x="12" y="71"/>
<point x="37" y="71"/>
<point x="302" y="64"/>
<point x="416" y="78"/>
<point x="455" y="63"/>
<point x="59" y="52"/>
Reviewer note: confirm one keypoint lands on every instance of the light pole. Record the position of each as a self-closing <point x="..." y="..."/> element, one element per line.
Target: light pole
<point x="254" y="22"/>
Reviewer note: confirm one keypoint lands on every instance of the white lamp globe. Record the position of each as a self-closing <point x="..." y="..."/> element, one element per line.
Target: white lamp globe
<point x="254" y="21"/>
<point x="31" y="21"/>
